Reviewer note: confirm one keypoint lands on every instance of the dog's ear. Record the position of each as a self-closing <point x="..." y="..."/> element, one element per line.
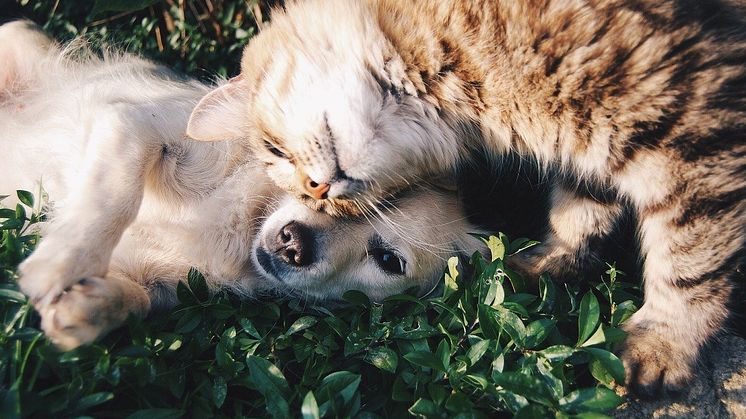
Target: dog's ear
<point x="447" y="182"/>
<point x="221" y="114"/>
<point x="23" y="45"/>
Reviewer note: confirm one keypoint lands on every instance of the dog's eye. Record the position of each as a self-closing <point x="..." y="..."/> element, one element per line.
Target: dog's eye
<point x="389" y="261"/>
<point x="274" y="150"/>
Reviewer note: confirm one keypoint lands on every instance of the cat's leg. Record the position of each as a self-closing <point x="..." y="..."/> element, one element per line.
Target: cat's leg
<point x="578" y="221"/>
<point x="693" y="246"/>
<point x="102" y="202"/>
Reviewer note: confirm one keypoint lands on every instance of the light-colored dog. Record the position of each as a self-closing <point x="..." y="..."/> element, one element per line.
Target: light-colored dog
<point x="134" y="204"/>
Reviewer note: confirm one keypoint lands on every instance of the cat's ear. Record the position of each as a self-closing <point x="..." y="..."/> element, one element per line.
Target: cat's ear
<point x="221" y="114"/>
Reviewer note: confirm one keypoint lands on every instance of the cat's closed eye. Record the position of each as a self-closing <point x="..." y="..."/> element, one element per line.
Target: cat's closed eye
<point x="275" y="150"/>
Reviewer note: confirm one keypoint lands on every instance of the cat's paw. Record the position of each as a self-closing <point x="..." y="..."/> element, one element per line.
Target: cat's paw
<point x="560" y="263"/>
<point x="655" y="363"/>
<point x="87" y="310"/>
<point x="529" y="264"/>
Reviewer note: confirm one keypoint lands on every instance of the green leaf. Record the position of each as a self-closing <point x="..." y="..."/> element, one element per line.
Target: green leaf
<point x="198" y="284"/>
<point x="532" y="411"/>
<point x="537" y="331"/>
<point x="598" y="337"/>
<point x="459" y="403"/>
<point x="340" y="384"/>
<point x="219" y="391"/>
<point x="10" y="401"/>
<point x="498" y="364"/>
<point x="622" y="312"/>
<point x="507" y="321"/>
<point x="548" y="294"/>
<point x="268" y="380"/>
<point x="26" y="197"/>
<point x="383" y="358"/>
<point x="424" y="408"/>
<point x="614" y="335"/>
<point x="249" y="328"/>
<point x="92" y="400"/>
<point x="588" y="317"/>
<point x="598" y="399"/>
<point x="520" y="244"/>
<point x="557" y="353"/>
<point x="477" y="350"/>
<point x="189" y="321"/>
<point x="399" y="391"/>
<point x="496" y="246"/>
<point x="610" y="362"/>
<point x="425" y="360"/>
<point x="438" y="393"/>
<point x="105" y="6"/>
<point x="600" y="373"/>
<point x="12" y="295"/>
<point x="443" y="352"/>
<point x="527" y="386"/>
<point x="157" y="414"/>
<point x="516" y="280"/>
<point x="310" y="409"/>
<point x="547" y="373"/>
<point x="302" y="323"/>
<point x="184" y="294"/>
<point x="451" y="275"/>
<point x="476" y="380"/>
<point x="11" y="224"/>
<point x="357" y="298"/>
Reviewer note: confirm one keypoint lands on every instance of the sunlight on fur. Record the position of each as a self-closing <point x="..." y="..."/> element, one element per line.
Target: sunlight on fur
<point x="134" y="205"/>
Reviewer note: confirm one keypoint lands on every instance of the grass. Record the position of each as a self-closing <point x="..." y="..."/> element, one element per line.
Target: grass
<point x="200" y="38"/>
<point x="488" y="347"/>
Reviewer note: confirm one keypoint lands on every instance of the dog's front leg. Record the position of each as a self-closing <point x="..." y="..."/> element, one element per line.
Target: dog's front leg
<point x="103" y="200"/>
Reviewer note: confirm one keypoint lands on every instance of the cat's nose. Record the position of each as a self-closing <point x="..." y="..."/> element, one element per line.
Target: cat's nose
<point x="294" y="245"/>
<point x="315" y="190"/>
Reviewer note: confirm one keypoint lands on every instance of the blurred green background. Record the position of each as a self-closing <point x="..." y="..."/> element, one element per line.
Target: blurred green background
<point x="202" y="38"/>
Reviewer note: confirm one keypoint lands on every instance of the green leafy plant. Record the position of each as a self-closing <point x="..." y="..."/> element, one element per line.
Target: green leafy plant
<point x="201" y="38"/>
<point x="488" y="346"/>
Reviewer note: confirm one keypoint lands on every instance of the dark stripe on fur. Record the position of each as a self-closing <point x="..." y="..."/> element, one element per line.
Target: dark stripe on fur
<point x="711" y="206"/>
<point x="724" y="271"/>
<point x="727" y="139"/>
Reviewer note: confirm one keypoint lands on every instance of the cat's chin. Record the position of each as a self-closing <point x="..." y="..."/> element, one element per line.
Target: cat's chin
<point x="335" y="207"/>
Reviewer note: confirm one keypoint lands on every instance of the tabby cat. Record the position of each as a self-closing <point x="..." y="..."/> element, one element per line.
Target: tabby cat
<point x="642" y="100"/>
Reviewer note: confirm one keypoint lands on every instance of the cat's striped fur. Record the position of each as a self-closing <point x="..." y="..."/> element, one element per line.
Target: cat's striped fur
<point x="643" y="99"/>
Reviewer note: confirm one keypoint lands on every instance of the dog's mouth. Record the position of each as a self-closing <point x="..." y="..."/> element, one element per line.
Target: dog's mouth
<point x="266" y="263"/>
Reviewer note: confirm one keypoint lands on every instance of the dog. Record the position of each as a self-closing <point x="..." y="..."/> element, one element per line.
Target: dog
<point x="134" y="204"/>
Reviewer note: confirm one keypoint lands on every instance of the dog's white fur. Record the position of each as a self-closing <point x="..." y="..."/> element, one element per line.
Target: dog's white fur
<point x="134" y="204"/>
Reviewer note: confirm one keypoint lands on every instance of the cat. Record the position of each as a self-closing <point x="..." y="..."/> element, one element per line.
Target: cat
<point x="135" y="205"/>
<point x="638" y="104"/>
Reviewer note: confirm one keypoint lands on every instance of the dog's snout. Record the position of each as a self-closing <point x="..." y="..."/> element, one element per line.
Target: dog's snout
<point x="294" y="244"/>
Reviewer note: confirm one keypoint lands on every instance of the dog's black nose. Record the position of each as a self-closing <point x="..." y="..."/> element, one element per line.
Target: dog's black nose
<point x="294" y="244"/>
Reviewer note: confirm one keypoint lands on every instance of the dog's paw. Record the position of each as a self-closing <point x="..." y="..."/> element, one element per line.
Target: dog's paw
<point x="49" y="271"/>
<point x="83" y="312"/>
<point x="655" y="363"/>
